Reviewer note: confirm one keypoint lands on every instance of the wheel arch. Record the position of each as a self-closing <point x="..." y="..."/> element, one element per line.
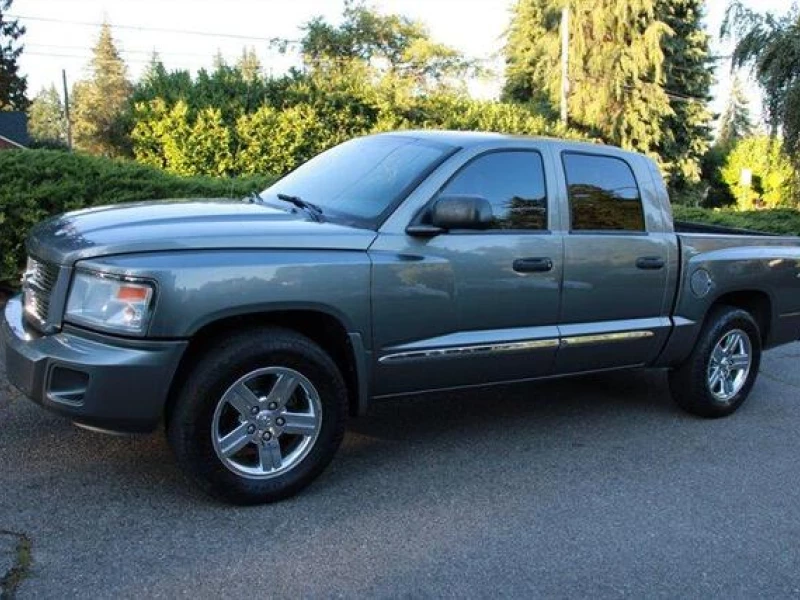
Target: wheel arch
<point x="323" y="327"/>
<point x="756" y="302"/>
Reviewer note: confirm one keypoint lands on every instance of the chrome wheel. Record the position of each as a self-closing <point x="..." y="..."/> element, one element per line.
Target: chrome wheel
<point x="729" y="365"/>
<point x="266" y="422"/>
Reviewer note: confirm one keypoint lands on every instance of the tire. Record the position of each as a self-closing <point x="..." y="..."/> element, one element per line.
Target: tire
<point x="225" y="427"/>
<point x="694" y="386"/>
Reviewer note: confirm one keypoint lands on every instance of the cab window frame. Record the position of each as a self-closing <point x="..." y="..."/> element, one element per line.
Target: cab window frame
<point x="547" y="230"/>
<point x="632" y="232"/>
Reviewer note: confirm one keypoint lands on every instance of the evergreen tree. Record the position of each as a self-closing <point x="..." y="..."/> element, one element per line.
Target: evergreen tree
<point x="12" y="85"/>
<point x="46" y="122"/>
<point x="735" y="123"/>
<point x="770" y="45"/>
<point x="100" y="102"/>
<point x="687" y="80"/>
<point x="615" y="66"/>
<point x="249" y="65"/>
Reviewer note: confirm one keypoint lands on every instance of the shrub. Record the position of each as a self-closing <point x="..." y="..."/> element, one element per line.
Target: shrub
<point x="772" y="174"/>
<point x="35" y="184"/>
<point x="783" y="221"/>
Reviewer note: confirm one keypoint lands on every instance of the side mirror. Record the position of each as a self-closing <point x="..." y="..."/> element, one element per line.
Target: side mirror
<point x="455" y="212"/>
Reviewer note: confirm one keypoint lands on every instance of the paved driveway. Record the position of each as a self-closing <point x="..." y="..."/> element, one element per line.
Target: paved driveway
<point x="591" y="487"/>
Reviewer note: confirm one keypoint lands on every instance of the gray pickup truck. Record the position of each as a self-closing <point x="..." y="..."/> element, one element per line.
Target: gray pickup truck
<point x="391" y="265"/>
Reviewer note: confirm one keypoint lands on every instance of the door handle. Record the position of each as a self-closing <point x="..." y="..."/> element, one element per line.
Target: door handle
<point x="650" y="262"/>
<point x="533" y="265"/>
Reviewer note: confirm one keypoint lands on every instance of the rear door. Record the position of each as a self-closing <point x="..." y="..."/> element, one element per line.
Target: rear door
<point x="614" y="307"/>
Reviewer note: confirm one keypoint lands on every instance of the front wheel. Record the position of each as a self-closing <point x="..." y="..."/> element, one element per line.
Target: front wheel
<point x="259" y="417"/>
<point x="720" y="372"/>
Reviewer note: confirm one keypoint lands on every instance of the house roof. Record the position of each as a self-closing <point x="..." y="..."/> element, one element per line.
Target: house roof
<point x="14" y="127"/>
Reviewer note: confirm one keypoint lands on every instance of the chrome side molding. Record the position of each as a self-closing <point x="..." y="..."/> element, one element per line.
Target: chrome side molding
<point x="473" y="349"/>
<point x="602" y="338"/>
<point x="520" y="346"/>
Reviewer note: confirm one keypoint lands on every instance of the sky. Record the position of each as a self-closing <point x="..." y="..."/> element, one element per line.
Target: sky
<point x="188" y="33"/>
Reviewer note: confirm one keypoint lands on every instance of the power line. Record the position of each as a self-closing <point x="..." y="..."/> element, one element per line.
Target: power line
<point x="156" y="29"/>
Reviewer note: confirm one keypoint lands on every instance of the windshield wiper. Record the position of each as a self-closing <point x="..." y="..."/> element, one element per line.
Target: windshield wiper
<point x="312" y="209"/>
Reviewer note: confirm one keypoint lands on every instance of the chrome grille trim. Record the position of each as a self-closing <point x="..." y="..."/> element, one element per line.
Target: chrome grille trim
<point x="38" y="283"/>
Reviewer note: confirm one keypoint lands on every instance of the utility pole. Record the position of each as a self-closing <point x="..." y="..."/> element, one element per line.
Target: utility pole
<point x="66" y="109"/>
<point x="564" y="62"/>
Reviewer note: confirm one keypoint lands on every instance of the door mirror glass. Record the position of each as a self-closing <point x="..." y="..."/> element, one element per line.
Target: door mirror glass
<point x="461" y="212"/>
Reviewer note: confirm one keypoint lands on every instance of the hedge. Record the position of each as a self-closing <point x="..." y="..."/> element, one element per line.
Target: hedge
<point x="784" y="221"/>
<point x="35" y="184"/>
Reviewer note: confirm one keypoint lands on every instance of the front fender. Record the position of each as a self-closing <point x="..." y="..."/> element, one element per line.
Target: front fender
<point x="198" y="287"/>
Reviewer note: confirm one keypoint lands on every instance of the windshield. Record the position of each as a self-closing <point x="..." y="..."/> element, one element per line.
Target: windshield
<point x="360" y="181"/>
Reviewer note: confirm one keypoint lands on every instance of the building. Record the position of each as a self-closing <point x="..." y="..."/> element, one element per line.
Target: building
<point x="13" y="130"/>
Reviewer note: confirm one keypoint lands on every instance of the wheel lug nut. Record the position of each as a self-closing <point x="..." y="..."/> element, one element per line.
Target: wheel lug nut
<point x="280" y="421"/>
<point x="254" y="410"/>
<point x="251" y="429"/>
<point x="267" y="436"/>
<point x="272" y="405"/>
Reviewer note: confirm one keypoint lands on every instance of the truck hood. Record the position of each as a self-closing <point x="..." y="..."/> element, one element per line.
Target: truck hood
<point x="185" y="225"/>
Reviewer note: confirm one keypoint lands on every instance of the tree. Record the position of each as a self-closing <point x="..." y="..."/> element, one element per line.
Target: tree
<point x="769" y="44"/>
<point x="249" y="65"/>
<point x="46" y="121"/>
<point x="12" y="85"/>
<point x="772" y="179"/>
<point x="615" y="66"/>
<point x="688" y="75"/>
<point x="392" y="43"/>
<point x="735" y="123"/>
<point x="100" y="102"/>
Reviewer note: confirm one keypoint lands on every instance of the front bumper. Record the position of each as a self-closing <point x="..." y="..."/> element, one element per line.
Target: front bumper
<point x="95" y="380"/>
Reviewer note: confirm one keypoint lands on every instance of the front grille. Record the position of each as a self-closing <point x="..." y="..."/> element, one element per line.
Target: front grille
<point x="37" y="285"/>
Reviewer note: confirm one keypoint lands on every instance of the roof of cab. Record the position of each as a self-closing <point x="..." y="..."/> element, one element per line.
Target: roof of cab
<point x="466" y="139"/>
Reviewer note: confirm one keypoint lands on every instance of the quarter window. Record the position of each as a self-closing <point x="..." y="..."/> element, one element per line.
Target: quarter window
<point x="513" y="182"/>
<point x="603" y="195"/>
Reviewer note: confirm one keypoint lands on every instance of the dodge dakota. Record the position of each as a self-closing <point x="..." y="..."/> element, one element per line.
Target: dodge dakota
<point x="390" y="265"/>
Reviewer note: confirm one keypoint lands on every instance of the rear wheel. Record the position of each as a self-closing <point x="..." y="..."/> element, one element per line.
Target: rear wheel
<point x="720" y="372"/>
<point x="260" y="416"/>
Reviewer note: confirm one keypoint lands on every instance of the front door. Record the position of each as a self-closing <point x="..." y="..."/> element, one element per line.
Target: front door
<point x="471" y="307"/>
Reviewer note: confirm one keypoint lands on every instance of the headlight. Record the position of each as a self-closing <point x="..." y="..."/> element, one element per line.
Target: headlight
<point x="109" y="302"/>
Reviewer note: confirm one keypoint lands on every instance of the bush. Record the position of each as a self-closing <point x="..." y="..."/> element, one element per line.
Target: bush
<point x="783" y="221"/>
<point x="772" y="174"/>
<point x="35" y="184"/>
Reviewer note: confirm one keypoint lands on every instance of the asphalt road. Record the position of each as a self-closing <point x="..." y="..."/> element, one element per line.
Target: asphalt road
<point x="592" y="487"/>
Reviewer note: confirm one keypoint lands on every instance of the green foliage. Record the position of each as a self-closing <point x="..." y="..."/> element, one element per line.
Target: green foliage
<point x="46" y="122"/>
<point x="35" y="184"/>
<point x="784" y="221"/>
<point x="403" y="45"/>
<point x="770" y="45"/>
<point x="99" y="103"/>
<point x="12" y="85"/>
<point x="615" y="66"/>
<point x="688" y="75"/>
<point x="772" y="174"/>
<point x="735" y="122"/>
<point x="639" y="74"/>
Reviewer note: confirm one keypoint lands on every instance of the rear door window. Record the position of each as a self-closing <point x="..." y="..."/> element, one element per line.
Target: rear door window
<point x="603" y="195"/>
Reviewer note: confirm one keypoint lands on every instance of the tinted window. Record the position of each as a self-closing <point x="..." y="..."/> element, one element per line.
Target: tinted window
<point x="514" y="184"/>
<point x="603" y="194"/>
<point x="362" y="178"/>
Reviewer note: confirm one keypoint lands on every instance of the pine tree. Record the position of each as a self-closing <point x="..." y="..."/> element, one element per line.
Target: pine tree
<point x="735" y="122"/>
<point x="687" y="80"/>
<point x="100" y="102"/>
<point x="615" y="66"/>
<point x="46" y="121"/>
<point x="249" y="65"/>
<point x="12" y="85"/>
